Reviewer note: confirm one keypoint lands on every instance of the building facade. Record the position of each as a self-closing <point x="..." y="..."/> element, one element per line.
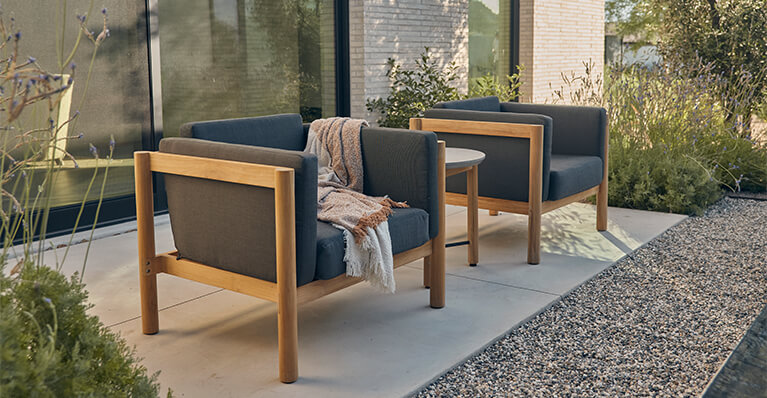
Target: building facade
<point x="551" y="37"/>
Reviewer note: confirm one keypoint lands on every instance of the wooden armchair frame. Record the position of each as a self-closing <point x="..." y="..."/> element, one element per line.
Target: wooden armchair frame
<point x="284" y="292"/>
<point x="535" y="207"/>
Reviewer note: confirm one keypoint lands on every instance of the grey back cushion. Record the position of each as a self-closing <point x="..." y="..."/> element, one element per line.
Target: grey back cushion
<point x="504" y="173"/>
<point x="402" y="164"/>
<point x="278" y="131"/>
<point x="231" y="226"/>
<point x="484" y="104"/>
<point x="578" y="130"/>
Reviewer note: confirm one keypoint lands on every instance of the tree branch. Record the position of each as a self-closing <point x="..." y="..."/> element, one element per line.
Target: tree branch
<point x="714" y="14"/>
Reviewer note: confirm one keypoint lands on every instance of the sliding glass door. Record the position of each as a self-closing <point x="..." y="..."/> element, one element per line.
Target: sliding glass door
<point x="237" y="58"/>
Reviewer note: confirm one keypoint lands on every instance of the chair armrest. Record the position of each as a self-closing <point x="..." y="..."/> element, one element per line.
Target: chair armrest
<point x="504" y="174"/>
<point x="231" y="226"/>
<point x="577" y="130"/>
<point x="402" y="164"/>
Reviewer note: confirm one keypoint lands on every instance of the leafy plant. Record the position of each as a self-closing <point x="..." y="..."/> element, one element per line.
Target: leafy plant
<point x="506" y="88"/>
<point x="49" y="345"/>
<point x="672" y="145"/>
<point x="414" y="90"/>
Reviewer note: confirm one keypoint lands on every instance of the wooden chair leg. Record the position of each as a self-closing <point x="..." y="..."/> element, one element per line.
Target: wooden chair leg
<point x="437" y="258"/>
<point x="494" y="212"/>
<point x="602" y="207"/>
<point x="534" y="238"/>
<point x="427" y="271"/>
<point x="287" y="299"/>
<point x="150" y="316"/>
<point x="287" y="337"/>
<point x="150" y="323"/>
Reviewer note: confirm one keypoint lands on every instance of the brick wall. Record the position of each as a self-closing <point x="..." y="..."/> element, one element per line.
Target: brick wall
<point x="556" y="36"/>
<point x="565" y="34"/>
<point x="380" y="29"/>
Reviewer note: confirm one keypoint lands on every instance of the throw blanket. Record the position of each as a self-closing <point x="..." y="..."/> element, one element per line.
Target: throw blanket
<point x="336" y="142"/>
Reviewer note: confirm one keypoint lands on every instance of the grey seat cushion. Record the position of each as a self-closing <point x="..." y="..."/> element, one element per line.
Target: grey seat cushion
<point x="409" y="228"/>
<point x="571" y="174"/>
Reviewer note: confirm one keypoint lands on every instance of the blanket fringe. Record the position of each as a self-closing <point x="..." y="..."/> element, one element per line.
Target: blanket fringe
<point x="375" y="218"/>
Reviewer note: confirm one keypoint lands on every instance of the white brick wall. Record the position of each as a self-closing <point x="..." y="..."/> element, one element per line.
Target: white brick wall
<point x="556" y="36"/>
<point x="379" y="29"/>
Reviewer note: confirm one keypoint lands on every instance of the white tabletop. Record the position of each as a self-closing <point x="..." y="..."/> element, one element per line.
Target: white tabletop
<point x="456" y="158"/>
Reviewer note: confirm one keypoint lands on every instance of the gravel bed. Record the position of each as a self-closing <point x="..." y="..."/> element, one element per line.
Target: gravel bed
<point x="660" y="322"/>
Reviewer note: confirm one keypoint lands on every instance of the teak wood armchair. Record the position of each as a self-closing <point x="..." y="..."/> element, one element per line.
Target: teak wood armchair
<point x="539" y="157"/>
<point x="279" y="183"/>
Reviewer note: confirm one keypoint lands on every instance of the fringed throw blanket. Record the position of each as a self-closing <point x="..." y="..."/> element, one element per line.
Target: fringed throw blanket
<point x="336" y="142"/>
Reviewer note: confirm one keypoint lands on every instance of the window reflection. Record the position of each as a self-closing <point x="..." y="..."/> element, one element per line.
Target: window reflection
<point x="237" y="58"/>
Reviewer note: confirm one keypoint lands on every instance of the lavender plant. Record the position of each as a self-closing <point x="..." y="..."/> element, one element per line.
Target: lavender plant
<point x="674" y="144"/>
<point x="49" y="345"/>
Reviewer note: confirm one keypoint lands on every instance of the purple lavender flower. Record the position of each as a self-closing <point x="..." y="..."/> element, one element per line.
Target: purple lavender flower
<point x="93" y="150"/>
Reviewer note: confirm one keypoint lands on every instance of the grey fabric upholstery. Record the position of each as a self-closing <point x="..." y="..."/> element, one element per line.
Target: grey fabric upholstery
<point x="485" y="104"/>
<point x="505" y="172"/>
<point x="578" y="130"/>
<point x="277" y="131"/>
<point x="402" y="164"/>
<point x="231" y="226"/>
<point x="408" y="229"/>
<point x="571" y="174"/>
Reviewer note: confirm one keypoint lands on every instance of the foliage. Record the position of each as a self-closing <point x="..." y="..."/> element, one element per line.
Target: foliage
<point x="49" y="346"/>
<point x="730" y="35"/>
<point x="414" y="90"/>
<point x="672" y="145"/>
<point x="506" y="89"/>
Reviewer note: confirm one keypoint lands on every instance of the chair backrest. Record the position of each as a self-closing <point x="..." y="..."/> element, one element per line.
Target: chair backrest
<point x="231" y="226"/>
<point x="504" y="174"/>
<point x="276" y="131"/>
<point x="484" y="104"/>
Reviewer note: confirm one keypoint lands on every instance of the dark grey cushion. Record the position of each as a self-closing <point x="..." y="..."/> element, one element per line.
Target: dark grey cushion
<point x="278" y="131"/>
<point x="578" y="130"/>
<point x="505" y="171"/>
<point x="231" y="226"/>
<point x="486" y="104"/>
<point x="409" y="228"/>
<point x="571" y="174"/>
<point x="402" y="164"/>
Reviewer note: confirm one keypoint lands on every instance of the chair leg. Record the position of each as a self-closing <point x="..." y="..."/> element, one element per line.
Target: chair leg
<point x="602" y="206"/>
<point x="494" y="212"/>
<point x="150" y="317"/>
<point x="534" y="237"/>
<point x="437" y="257"/>
<point x="287" y="338"/>
<point x="427" y="271"/>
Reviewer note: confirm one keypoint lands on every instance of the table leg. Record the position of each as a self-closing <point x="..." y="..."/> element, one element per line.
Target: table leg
<point x="472" y="210"/>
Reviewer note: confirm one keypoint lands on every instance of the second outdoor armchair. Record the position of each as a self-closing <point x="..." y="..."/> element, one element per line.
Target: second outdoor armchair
<point x="539" y="157"/>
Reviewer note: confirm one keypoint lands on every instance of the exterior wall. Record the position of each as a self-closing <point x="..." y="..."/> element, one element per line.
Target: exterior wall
<point x="556" y="36"/>
<point x="565" y="34"/>
<point x="380" y="29"/>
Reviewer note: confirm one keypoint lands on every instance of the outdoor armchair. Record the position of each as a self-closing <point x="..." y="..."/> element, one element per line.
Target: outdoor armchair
<point x="242" y="200"/>
<point x="538" y="157"/>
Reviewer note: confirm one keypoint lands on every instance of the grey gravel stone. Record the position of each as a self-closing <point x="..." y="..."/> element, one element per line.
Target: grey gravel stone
<point x="660" y="322"/>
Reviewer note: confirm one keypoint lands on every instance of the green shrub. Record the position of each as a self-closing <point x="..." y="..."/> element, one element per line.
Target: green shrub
<point x="673" y="145"/>
<point x="51" y="347"/>
<point x="660" y="181"/>
<point x="415" y="90"/>
<point x="506" y="88"/>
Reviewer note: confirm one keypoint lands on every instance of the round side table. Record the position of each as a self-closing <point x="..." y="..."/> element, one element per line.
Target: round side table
<point x="461" y="160"/>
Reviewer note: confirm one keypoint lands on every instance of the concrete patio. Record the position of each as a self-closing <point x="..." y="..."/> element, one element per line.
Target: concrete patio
<point x="357" y="341"/>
